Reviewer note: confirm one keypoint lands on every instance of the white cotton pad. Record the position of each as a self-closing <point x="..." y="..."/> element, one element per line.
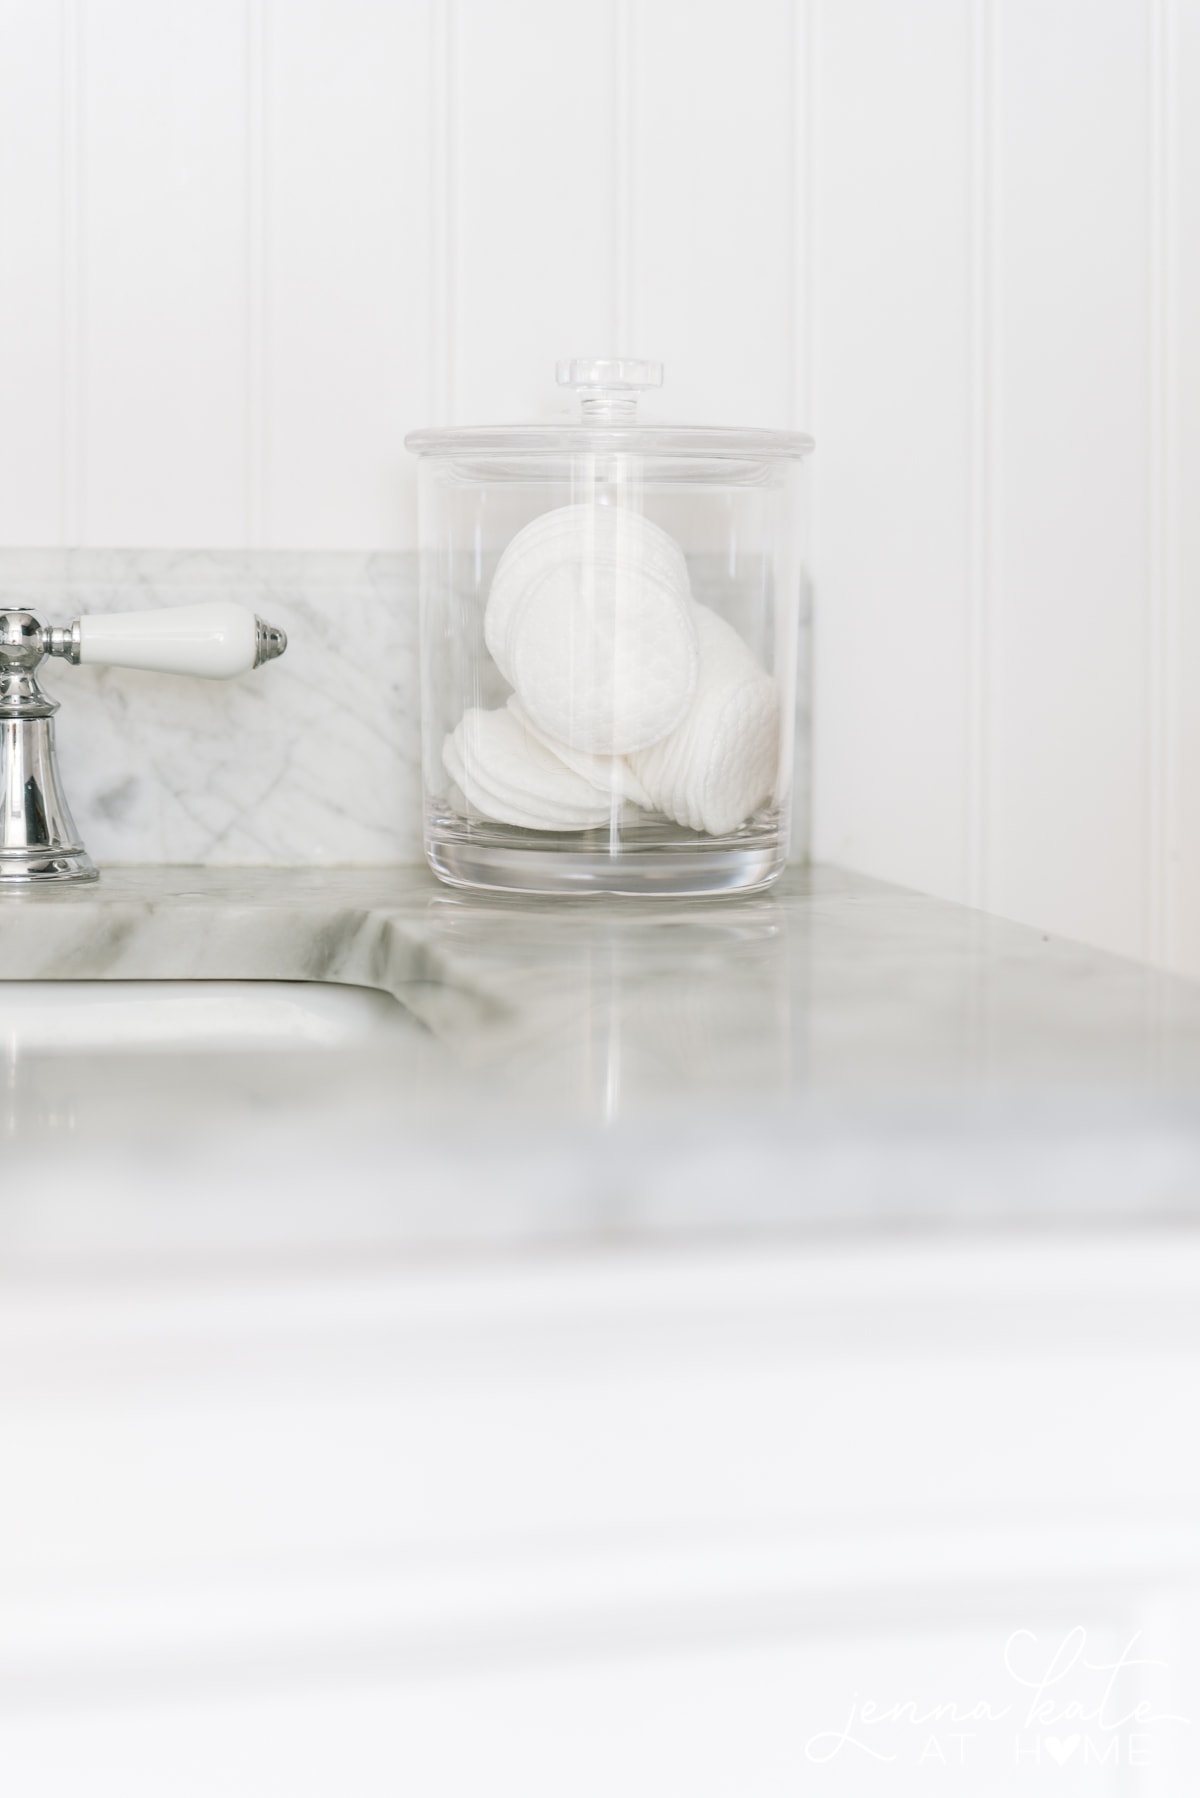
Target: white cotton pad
<point x="608" y="774"/>
<point x="505" y="773"/>
<point x="581" y="531"/>
<point x="720" y="764"/>
<point x="589" y="617"/>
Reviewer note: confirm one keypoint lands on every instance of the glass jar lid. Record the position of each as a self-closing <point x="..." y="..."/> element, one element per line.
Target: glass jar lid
<point x="608" y="389"/>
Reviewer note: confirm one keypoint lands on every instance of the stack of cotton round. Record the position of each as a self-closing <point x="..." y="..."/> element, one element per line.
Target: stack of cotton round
<point x="608" y="774"/>
<point x="719" y="765"/>
<point x="505" y="773"/>
<point x="590" y="618"/>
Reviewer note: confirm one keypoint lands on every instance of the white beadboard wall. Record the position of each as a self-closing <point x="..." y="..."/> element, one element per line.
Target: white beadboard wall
<point x="248" y="244"/>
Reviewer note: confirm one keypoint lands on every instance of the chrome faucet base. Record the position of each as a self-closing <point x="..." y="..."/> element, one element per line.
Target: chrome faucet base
<point x="37" y="867"/>
<point x="38" y="839"/>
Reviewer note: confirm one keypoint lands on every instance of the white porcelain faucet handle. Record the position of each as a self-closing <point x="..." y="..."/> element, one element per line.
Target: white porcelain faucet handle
<point x="213" y="641"/>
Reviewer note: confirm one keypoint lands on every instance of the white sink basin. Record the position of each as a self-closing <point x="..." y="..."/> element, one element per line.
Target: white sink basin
<point x="48" y="1016"/>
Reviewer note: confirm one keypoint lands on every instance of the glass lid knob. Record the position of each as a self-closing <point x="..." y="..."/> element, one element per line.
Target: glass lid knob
<point x="608" y="386"/>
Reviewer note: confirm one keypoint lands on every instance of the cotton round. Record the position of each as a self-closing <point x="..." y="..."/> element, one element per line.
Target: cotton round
<point x="580" y="534"/>
<point x="507" y="774"/>
<point x="717" y="767"/>
<point x="610" y="774"/>
<point x="589" y="617"/>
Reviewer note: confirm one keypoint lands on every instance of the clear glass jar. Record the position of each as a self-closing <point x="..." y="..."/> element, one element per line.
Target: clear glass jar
<point x="609" y="617"/>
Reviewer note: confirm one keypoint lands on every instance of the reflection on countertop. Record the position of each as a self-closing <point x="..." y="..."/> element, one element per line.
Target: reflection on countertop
<point x="834" y="1052"/>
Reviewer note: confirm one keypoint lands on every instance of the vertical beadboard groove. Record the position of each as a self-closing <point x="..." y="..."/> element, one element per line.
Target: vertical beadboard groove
<point x="72" y="296"/>
<point x="801" y="277"/>
<point x="981" y="423"/>
<point x="624" y="306"/>
<point x="257" y="254"/>
<point x="1161" y="633"/>
<point x="805" y="147"/>
<point x="801" y="212"/>
<point x="443" y="162"/>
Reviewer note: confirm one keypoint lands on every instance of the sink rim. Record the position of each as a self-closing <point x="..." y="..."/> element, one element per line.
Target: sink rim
<point x="184" y="1015"/>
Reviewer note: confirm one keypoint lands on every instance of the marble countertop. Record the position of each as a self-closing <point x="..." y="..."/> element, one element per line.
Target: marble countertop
<point x="836" y="1054"/>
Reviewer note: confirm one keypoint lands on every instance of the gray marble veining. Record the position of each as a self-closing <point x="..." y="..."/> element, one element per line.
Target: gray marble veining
<point x="835" y="1053"/>
<point x="314" y="760"/>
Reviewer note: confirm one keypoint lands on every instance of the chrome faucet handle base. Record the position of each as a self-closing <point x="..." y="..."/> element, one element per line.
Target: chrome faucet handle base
<point x="27" y="869"/>
<point x="38" y="838"/>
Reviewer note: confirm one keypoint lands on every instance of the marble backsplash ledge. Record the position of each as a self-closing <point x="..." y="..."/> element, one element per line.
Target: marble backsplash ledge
<point x="314" y="760"/>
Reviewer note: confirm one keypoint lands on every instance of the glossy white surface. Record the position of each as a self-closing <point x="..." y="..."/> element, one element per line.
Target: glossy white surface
<point x="649" y="1523"/>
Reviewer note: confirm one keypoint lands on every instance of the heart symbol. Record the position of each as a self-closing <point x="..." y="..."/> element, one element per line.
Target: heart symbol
<point x="1061" y="1751"/>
